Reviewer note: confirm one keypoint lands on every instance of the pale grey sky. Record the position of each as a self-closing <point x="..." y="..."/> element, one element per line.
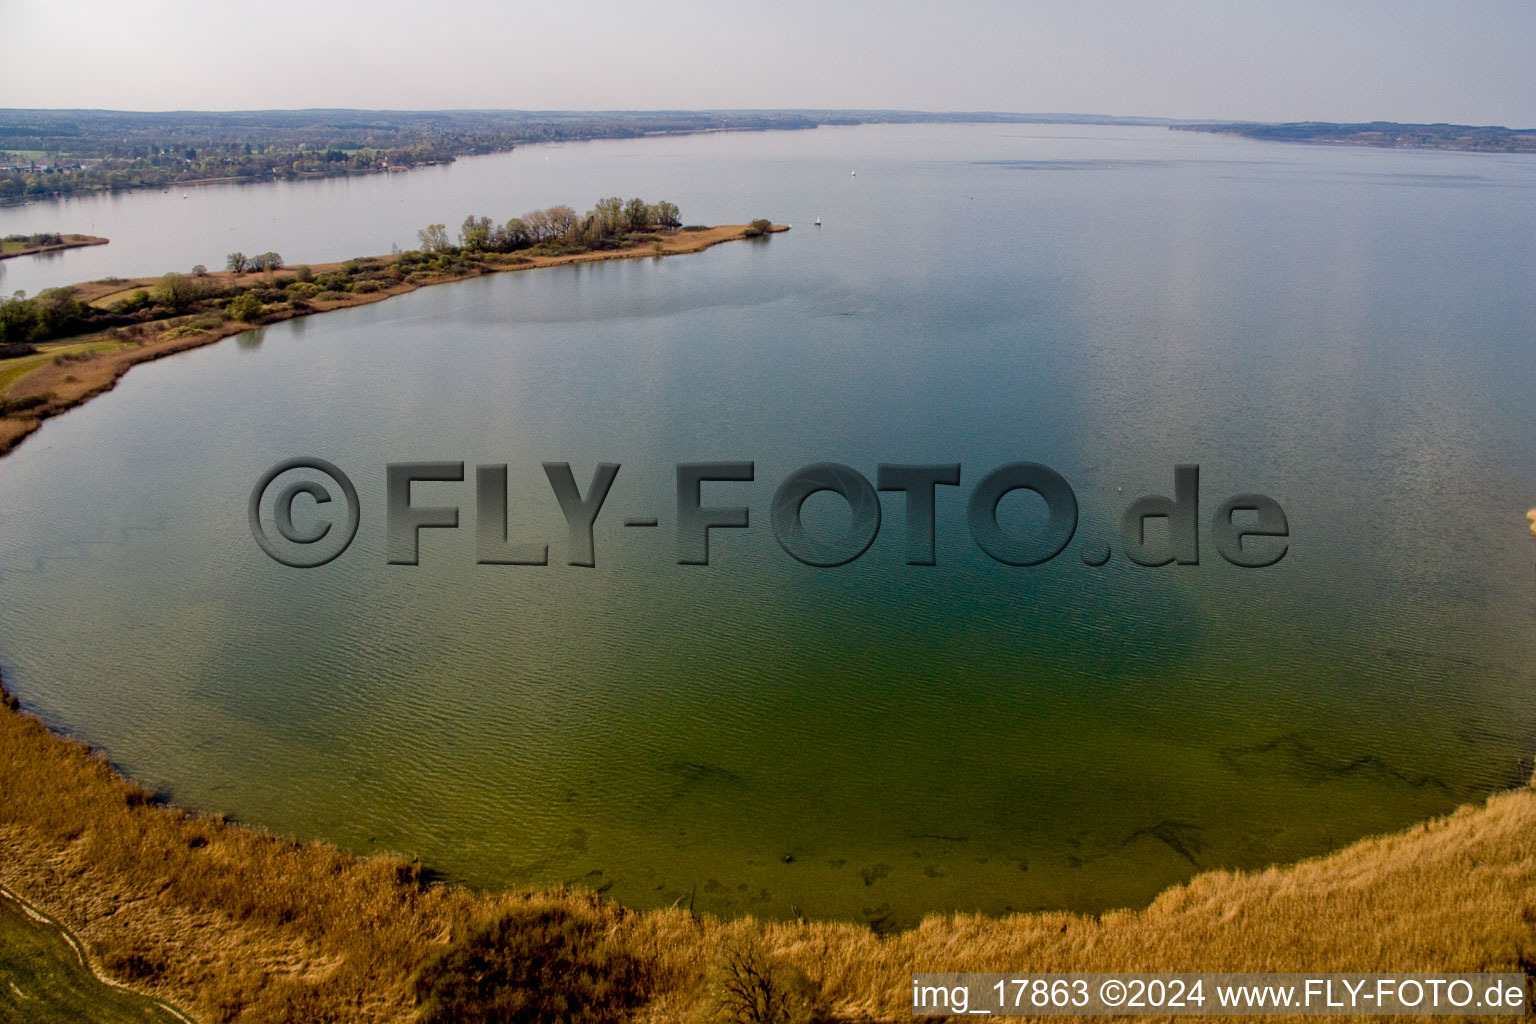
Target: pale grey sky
<point x="1338" y="60"/>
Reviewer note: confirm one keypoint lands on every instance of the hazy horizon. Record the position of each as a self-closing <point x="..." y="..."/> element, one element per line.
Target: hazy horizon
<point x="1414" y="62"/>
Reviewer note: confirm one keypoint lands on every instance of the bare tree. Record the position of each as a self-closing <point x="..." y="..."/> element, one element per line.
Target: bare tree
<point x="434" y="238"/>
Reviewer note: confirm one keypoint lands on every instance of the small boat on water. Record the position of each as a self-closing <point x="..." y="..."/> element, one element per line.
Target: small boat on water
<point x="818" y="222"/>
<point x="854" y="174"/>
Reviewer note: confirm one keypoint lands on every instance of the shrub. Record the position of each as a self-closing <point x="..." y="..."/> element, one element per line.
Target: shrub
<point x="244" y="307"/>
<point x="181" y="331"/>
<point x="303" y="273"/>
<point x="761" y="226"/>
<point x="747" y="986"/>
<point x="530" y="965"/>
<point x="133" y="303"/>
<point x="15" y="405"/>
<point x="176" y="291"/>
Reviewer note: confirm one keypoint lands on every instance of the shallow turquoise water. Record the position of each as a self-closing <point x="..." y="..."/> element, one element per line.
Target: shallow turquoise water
<point x="1348" y="331"/>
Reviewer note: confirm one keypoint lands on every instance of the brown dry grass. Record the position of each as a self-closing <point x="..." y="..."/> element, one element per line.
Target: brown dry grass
<point x="232" y="924"/>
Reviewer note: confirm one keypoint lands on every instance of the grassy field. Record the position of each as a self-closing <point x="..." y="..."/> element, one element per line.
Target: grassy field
<point x="14" y="369"/>
<point x="44" y="979"/>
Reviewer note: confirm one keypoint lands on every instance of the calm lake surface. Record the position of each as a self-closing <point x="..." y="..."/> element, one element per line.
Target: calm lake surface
<point x="1349" y="331"/>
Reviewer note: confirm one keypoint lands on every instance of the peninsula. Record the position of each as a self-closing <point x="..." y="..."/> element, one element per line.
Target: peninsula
<point x="28" y="245"/>
<point x="66" y="345"/>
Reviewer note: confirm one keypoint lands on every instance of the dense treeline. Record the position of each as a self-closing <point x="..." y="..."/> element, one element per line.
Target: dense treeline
<point x="32" y="241"/>
<point x="148" y="166"/>
<point x="610" y="223"/>
<point x="46" y="152"/>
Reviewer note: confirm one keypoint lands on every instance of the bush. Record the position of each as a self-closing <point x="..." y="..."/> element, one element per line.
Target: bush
<point x="244" y="307"/>
<point x="180" y="331"/>
<point x="761" y="226"/>
<point x="133" y="303"/>
<point x="15" y="405"/>
<point x="530" y="965"/>
<point x="747" y="986"/>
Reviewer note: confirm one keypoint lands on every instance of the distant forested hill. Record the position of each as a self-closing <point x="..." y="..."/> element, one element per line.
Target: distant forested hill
<point x="1483" y="139"/>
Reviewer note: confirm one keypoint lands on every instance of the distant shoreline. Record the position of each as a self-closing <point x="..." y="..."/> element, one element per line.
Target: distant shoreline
<point x="1460" y="138"/>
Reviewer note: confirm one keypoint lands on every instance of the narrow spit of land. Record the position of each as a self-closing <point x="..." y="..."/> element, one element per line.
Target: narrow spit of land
<point x="12" y="246"/>
<point x="41" y="380"/>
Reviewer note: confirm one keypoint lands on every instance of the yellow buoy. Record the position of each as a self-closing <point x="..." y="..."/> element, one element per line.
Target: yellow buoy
<point x="1530" y="517"/>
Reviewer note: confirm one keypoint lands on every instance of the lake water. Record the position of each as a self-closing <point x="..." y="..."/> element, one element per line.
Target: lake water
<point x="1346" y="330"/>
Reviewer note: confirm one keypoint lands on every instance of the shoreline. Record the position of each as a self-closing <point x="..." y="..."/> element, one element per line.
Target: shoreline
<point x="56" y="387"/>
<point x="227" y="922"/>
